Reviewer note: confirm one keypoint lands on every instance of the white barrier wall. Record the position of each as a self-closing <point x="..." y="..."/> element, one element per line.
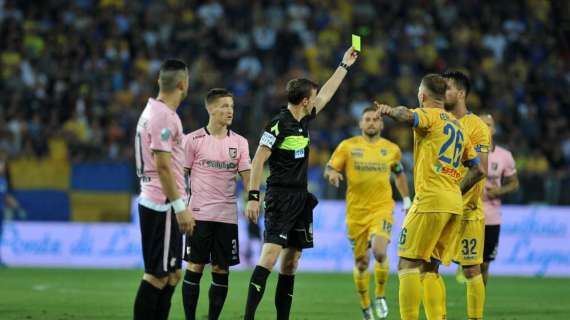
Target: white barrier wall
<point x="535" y="240"/>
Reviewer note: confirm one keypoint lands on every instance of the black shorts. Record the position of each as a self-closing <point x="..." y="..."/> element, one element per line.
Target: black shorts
<point x="491" y="242"/>
<point x="289" y="218"/>
<point x="161" y="242"/>
<point x="213" y="242"/>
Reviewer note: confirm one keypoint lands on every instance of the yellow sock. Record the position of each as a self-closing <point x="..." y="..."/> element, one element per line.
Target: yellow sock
<point x="410" y="294"/>
<point x="381" y="277"/>
<point x="362" y="280"/>
<point x="444" y="297"/>
<point x="475" y="297"/>
<point x="432" y="296"/>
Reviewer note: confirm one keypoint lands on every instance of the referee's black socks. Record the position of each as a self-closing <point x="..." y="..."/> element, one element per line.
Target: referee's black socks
<point x="217" y="294"/>
<point x="284" y="295"/>
<point x="146" y="302"/>
<point x="190" y="293"/>
<point x="255" y="292"/>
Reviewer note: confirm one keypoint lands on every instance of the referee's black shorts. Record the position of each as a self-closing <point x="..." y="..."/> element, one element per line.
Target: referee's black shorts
<point x="289" y="217"/>
<point x="161" y="242"/>
<point x="491" y="242"/>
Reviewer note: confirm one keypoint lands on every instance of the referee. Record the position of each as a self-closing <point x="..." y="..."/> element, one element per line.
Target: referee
<point x="288" y="204"/>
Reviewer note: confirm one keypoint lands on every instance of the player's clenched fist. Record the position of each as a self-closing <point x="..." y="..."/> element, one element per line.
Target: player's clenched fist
<point x="186" y="222"/>
<point x="252" y="211"/>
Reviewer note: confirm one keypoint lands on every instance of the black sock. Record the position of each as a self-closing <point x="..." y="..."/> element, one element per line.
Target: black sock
<point x="284" y="295"/>
<point x="146" y="302"/>
<point x="190" y="293"/>
<point x="217" y="294"/>
<point x="255" y="292"/>
<point x="164" y="302"/>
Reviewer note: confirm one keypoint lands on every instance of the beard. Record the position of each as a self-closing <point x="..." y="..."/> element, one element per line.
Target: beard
<point x="449" y="105"/>
<point x="371" y="133"/>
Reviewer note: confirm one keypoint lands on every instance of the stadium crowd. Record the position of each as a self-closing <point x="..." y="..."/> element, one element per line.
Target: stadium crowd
<point x="80" y="71"/>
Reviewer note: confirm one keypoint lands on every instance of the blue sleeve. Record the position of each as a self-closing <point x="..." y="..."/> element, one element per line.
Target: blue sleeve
<point x="416" y="120"/>
<point x="472" y="162"/>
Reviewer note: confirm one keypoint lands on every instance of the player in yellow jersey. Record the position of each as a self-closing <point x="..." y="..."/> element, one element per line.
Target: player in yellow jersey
<point x="430" y="227"/>
<point x="367" y="161"/>
<point x="471" y="238"/>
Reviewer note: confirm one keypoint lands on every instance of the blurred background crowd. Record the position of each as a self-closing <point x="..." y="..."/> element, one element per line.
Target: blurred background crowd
<point x="75" y="75"/>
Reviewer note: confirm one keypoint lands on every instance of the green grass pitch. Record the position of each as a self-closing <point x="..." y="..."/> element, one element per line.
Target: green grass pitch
<point x="64" y="294"/>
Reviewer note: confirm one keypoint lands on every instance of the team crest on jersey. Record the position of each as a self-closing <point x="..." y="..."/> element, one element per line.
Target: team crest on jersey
<point x="494" y="165"/>
<point x="233" y="153"/>
<point x="383" y="152"/>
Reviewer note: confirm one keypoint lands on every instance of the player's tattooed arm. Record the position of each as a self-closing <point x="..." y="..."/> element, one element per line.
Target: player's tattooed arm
<point x="475" y="174"/>
<point x="400" y="113"/>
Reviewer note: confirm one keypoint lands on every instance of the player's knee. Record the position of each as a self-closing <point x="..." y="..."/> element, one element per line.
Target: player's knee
<point x="221" y="270"/>
<point x="289" y="266"/>
<point x="157" y="282"/>
<point x="174" y="278"/>
<point x="362" y="264"/>
<point x="471" y="271"/>
<point x="195" y="267"/>
<point x="405" y="263"/>
<point x="380" y="256"/>
<point x="269" y="255"/>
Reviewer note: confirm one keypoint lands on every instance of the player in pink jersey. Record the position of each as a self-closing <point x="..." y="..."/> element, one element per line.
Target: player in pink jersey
<point x="159" y="160"/>
<point x="502" y="179"/>
<point x="215" y="156"/>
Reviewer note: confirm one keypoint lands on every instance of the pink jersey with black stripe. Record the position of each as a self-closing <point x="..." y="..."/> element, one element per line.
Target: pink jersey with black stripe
<point x="214" y="164"/>
<point x="159" y="129"/>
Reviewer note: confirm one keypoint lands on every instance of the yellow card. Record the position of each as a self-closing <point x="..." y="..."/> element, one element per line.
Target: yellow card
<point x="356" y="42"/>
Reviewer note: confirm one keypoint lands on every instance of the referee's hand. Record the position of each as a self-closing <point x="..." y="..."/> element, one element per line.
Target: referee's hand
<point x="186" y="222"/>
<point x="252" y="211"/>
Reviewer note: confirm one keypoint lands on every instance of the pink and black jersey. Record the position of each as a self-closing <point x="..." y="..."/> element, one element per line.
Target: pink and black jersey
<point x="501" y="164"/>
<point x="158" y="129"/>
<point x="214" y="164"/>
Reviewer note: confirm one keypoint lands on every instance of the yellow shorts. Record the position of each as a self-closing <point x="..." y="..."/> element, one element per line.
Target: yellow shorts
<point x="428" y="235"/>
<point x="470" y="242"/>
<point x="360" y="235"/>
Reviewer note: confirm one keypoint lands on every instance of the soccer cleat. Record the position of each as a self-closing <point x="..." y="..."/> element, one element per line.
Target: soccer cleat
<point x="381" y="308"/>
<point x="367" y="314"/>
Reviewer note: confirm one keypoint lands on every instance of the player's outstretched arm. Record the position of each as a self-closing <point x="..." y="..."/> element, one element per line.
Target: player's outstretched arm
<point x="261" y="156"/>
<point x="510" y="184"/>
<point x="329" y="88"/>
<point x="475" y="174"/>
<point x="400" y="114"/>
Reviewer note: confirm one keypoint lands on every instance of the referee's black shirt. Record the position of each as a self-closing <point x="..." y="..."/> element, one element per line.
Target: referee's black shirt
<point x="289" y="142"/>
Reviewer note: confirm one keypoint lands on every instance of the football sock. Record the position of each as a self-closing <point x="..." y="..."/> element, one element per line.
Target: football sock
<point x="444" y="297"/>
<point x="362" y="280"/>
<point x="255" y="291"/>
<point x="381" y="277"/>
<point x="164" y="302"/>
<point x="284" y="295"/>
<point x="475" y="297"/>
<point x="146" y="302"/>
<point x="432" y="296"/>
<point x="190" y="293"/>
<point x="217" y="294"/>
<point x="410" y="293"/>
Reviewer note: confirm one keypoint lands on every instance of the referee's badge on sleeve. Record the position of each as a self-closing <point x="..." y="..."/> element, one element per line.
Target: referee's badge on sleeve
<point x="267" y="139"/>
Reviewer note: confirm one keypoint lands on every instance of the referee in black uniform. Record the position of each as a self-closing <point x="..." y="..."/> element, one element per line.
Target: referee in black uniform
<point x="288" y="204"/>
